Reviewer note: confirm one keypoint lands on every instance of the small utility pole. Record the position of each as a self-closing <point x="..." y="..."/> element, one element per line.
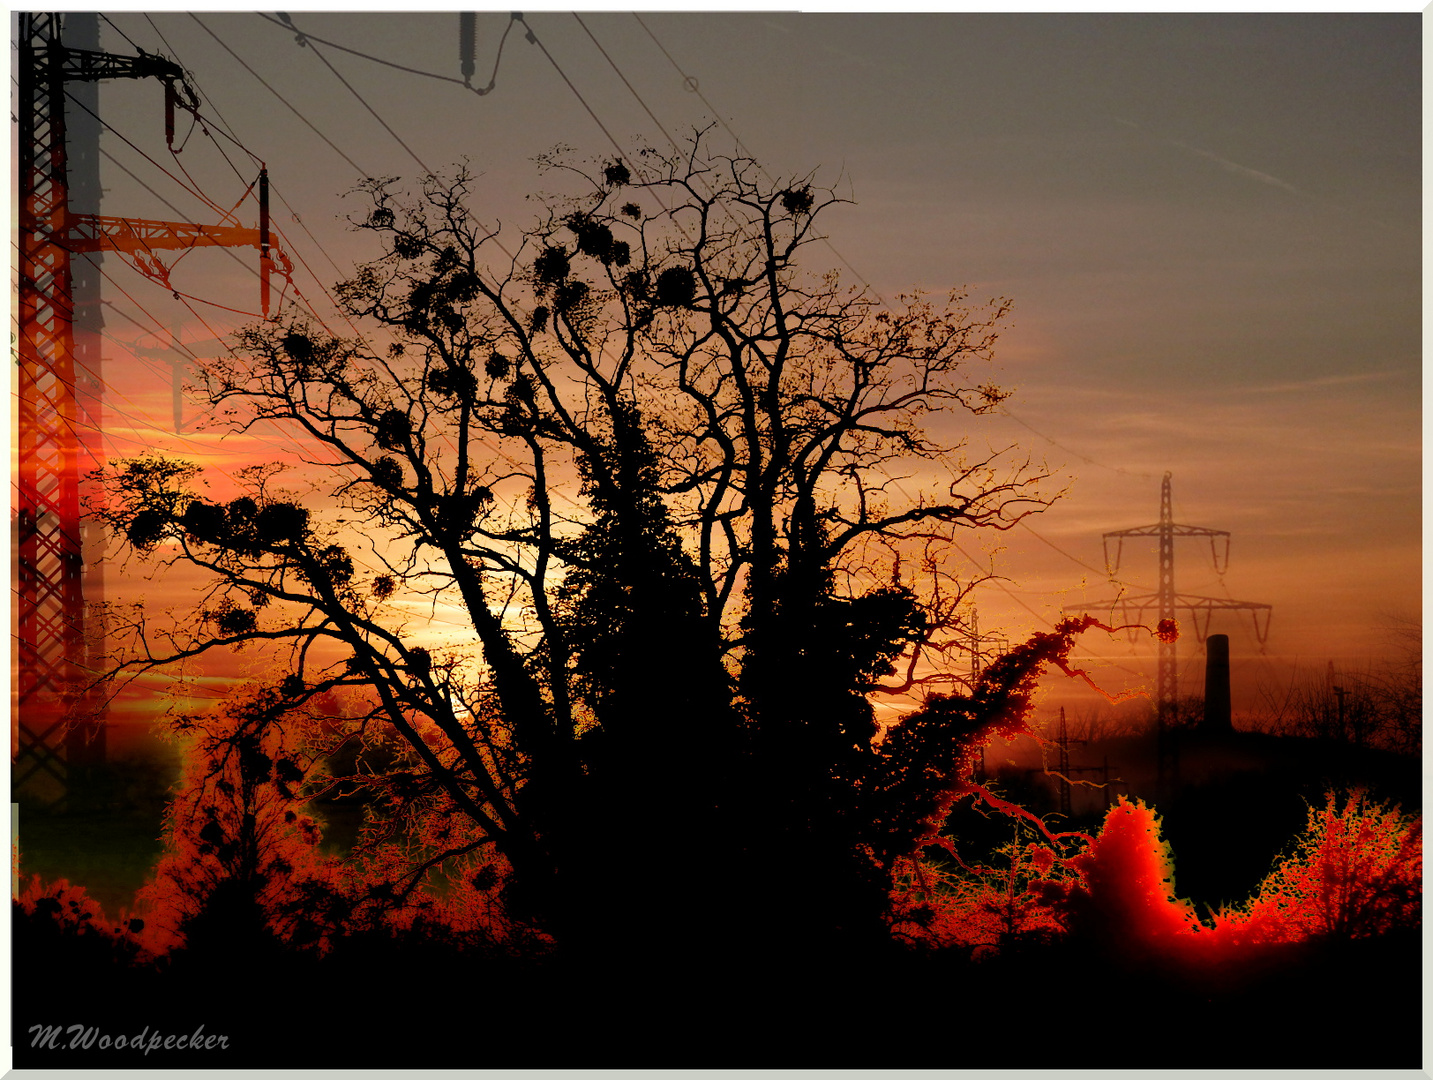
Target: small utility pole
<point x="1341" y="693"/>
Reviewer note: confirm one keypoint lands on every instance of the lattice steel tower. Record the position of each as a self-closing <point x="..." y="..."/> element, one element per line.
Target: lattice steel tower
<point x="58" y="629"/>
<point x="1167" y="602"/>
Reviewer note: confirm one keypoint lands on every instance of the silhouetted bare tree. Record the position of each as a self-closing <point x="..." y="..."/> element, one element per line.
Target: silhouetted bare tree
<point x="668" y="479"/>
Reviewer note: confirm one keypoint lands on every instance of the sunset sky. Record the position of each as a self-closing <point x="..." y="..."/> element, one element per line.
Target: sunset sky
<point x="1209" y="226"/>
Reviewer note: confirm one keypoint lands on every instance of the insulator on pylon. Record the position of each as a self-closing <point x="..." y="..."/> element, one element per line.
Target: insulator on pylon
<point x="169" y="96"/>
<point x="467" y="43"/>
<point x="265" y="263"/>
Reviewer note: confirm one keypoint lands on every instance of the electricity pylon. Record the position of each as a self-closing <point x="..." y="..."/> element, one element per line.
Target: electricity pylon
<point x="1167" y="601"/>
<point x="59" y="641"/>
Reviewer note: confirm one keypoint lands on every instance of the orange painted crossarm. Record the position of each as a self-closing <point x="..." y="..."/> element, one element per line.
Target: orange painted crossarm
<point x="90" y="232"/>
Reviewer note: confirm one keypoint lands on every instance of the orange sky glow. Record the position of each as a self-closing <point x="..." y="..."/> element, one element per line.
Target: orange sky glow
<point x="1209" y="228"/>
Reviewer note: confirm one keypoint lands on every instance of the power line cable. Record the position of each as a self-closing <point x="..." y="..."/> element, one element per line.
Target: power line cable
<point x="533" y="38"/>
<point x="356" y="167"/>
<point x="170" y="205"/>
<point x="195" y="111"/>
<point x="465" y="83"/>
<point x="1050" y="543"/>
<point x="285" y="22"/>
<point x="1087" y="460"/>
<point x="110" y="128"/>
<point x="185" y="297"/>
<point x="227" y="214"/>
<point x="121" y="33"/>
<point x="691" y="84"/>
<point x="272" y="187"/>
<point x="298" y="219"/>
<point x="625" y="81"/>
<point x="372" y="112"/>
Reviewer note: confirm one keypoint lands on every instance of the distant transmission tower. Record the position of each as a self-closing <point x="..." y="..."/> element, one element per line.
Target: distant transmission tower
<point x="1166" y="601"/>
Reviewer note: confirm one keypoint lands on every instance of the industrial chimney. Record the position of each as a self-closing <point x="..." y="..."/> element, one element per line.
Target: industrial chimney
<point x="1218" y="713"/>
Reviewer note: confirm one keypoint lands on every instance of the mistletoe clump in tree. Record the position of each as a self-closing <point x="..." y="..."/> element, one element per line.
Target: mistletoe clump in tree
<point x="669" y="479"/>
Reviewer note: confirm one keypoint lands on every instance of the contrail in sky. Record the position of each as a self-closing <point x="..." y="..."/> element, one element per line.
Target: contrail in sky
<point x="1233" y="167"/>
<point x="1223" y="163"/>
<point x="1252" y="174"/>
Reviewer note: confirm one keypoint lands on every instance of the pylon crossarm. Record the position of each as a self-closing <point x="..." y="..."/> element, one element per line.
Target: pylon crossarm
<point x="1138" y="530"/>
<point x="1185" y="600"/>
<point x="1179" y="530"/>
<point x="90" y="232"/>
<point x="87" y="65"/>
<point x="1191" y="601"/>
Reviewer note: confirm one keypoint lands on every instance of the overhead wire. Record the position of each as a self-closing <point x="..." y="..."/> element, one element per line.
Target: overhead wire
<point x="180" y="295"/>
<point x="186" y="251"/>
<point x="420" y="162"/>
<point x="121" y="33"/>
<point x="533" y="38"/>
<point x="359" y="170"/>
<point x="361" y="100"/>
<point x="1086" y="459"/>
<point x="123" y="138"/>
<point x="264" y="82"/>
<point x="625" y="81"/>
<point x="288" y="25"/>
<point x="224" y="214"/>
<point x="279" y="230"/>
<point x="273" y="187"/>
<point x="227" y="251"/>
<point x="557" y="492"/>
<point x="195" y="111"/>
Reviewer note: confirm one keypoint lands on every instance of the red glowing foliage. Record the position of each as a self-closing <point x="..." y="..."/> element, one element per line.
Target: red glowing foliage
<point x="927" y="760"/>
<point x="73" y="910"/>
<point x="237" y="829"/>
<point x="1355" y="872"/>
<point x="422" y="866"/>
<point x="1124" y="897"/>
<point x="1117" y="894"/>
<point x="243" y="848"/>
<point x="984" y="909"/>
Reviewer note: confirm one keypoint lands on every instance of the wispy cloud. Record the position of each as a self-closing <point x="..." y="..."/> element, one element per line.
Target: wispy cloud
<point x="1325" y="381"/>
